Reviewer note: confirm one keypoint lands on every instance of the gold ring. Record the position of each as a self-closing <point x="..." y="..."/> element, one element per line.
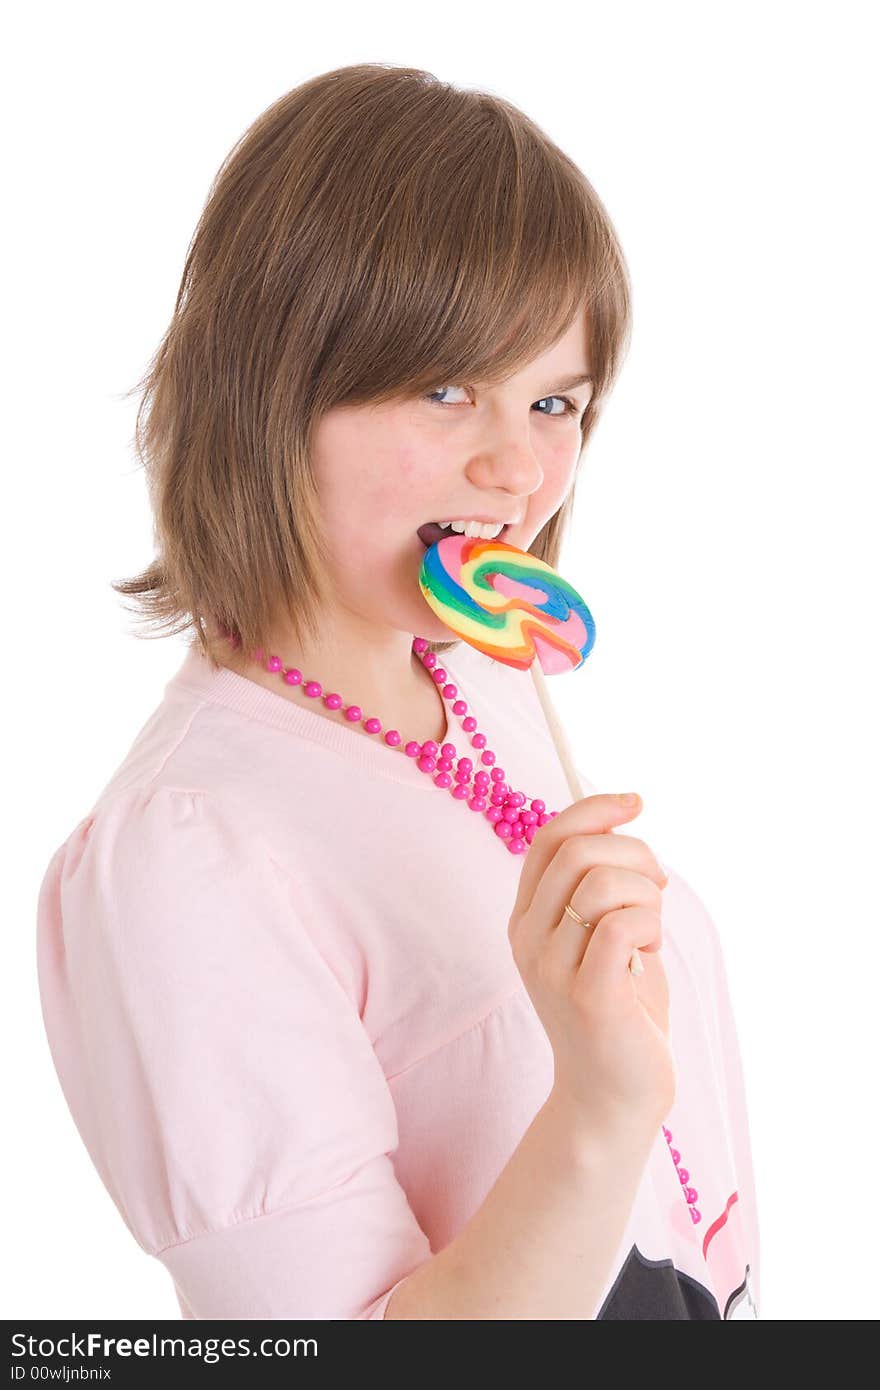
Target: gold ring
<point x="577" y="917"/>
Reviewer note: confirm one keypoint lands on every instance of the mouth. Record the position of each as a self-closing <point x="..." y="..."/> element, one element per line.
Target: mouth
<point x="431" y="533"/>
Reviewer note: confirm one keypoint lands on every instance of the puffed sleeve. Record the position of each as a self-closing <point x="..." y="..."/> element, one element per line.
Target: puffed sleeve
<point x="218" y="1072"/>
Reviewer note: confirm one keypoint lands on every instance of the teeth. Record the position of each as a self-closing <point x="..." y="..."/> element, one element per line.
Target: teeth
<point x="475" y="530"/>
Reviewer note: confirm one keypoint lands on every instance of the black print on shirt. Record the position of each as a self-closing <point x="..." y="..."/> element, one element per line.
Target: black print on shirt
<point x="656" y="1290"/>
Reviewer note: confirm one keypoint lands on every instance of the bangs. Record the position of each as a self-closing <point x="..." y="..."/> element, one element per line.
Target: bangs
<point x="476" y="249"/>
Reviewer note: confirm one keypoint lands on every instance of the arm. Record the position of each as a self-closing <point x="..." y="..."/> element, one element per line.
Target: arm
<point x="217" y="1070"/>
<point x="542" y="1244"/>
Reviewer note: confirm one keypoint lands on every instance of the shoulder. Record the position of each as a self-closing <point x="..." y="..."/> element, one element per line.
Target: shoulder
<point x="161" y="865"/>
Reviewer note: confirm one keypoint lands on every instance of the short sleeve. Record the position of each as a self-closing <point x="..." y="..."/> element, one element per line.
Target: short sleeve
<point x="218" y="1072"/>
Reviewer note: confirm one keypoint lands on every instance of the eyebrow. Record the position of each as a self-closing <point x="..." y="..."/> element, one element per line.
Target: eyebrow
<point x="572" y="381"/>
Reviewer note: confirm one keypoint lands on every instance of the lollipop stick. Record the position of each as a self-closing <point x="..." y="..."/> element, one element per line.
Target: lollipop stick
<point x="557" y="732"/>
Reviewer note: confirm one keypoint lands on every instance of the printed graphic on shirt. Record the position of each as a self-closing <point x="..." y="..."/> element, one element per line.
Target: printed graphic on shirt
<point x="724" y="1249"/>
<point x="655" y="1290"/>
<point x="741" y="1304"/>
<point x="681" y="1270"/>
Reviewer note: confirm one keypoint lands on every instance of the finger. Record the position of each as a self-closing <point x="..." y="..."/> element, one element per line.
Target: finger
<point x="591" y="815"/>
<point x="602" y="890"/>
<point x="576" y="857"/>
<point x="603" y="982"/>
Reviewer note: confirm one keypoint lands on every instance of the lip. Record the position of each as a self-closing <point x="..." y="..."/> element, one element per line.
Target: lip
<point x="482" y="520"/>
<point x="502" y="534"/>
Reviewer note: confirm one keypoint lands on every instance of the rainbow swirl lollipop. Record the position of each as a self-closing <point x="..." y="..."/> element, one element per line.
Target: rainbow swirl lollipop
<point x="507" y="603"/>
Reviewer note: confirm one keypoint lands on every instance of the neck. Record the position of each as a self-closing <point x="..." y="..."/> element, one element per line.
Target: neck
<point x="387" y="680"/>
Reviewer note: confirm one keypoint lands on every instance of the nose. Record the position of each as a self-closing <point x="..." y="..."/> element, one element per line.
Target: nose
<point x="508" y="463"/>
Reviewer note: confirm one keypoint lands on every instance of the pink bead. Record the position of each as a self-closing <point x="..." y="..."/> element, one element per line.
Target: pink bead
<point x="490" y="792"/>
<point x="683" y="1176"/>
<point x="695" y="1215"/>
<point x="691" y="1195"/>
<point x="667" y="1133"/>
<point x="676" y="1156"/>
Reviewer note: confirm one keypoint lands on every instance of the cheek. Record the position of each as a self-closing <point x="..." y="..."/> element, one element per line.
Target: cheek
<point x="368" y="490"/>
<point x="403" y="478"/>
<point x="376" y="509"/>
<point x="560" y="466"/>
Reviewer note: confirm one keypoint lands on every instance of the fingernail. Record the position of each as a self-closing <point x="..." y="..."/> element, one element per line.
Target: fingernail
<point x="628" y="798"/>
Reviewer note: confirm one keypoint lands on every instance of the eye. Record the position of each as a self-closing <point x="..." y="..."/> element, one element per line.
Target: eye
<point x="569" y="407"/>
<point x="439" y="392"/>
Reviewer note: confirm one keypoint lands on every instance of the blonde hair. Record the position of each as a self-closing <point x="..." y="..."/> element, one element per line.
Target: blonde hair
<point x="376" y="232"/>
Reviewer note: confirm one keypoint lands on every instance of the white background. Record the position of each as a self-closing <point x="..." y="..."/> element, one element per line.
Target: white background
<point x="727" y="523"/>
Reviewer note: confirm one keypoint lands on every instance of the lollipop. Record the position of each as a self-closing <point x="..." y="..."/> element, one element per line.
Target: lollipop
<point x="514" y="607"/>
<point x="507" y="603"/>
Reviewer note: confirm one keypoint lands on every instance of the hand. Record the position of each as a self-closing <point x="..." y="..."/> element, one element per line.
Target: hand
<point x="609" y="1029"/>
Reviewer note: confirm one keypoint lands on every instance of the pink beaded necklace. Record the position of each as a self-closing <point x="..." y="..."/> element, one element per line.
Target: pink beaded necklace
<point x="500" y="804"/>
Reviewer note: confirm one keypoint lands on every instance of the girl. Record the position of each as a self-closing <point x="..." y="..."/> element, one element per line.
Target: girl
<point x="340" y="1045"/>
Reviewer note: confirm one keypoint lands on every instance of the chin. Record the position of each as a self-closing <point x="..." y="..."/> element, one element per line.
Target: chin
<point x="433" y="630"/>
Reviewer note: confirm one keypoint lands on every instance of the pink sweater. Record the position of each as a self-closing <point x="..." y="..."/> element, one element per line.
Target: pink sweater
<point x="281" y="1003"/>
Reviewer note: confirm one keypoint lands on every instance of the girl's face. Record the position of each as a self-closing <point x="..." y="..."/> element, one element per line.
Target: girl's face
<point x="506" y="453"/>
